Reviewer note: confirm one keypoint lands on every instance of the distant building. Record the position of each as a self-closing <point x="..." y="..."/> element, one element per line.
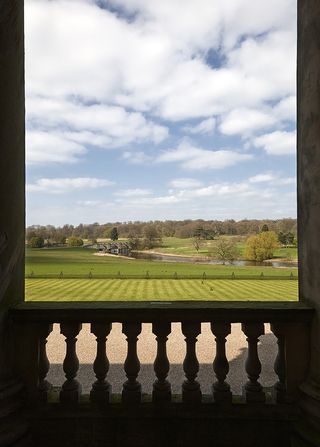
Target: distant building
<point x="115" y="248"/>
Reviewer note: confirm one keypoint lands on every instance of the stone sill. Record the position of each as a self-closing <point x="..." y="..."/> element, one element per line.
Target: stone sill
<point x="177" y="311"/>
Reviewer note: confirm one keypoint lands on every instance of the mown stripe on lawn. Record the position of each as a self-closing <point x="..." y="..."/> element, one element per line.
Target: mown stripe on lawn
<point x="148" y="289"/>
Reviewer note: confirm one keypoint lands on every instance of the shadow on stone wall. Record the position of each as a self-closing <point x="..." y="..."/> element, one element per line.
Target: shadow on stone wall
<point x="237" y="376"/>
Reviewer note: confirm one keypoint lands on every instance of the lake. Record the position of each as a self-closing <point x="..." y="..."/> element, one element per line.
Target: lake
<point x="196" y="260"/>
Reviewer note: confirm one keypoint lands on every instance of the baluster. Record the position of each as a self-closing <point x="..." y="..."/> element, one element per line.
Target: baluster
<point x="131" y="392"/>
<point x="101" y="389"/>
<point x="279" y="389"/>
<point x="71" y="389"/>
<point x="44" y="386"/>
<point x="161" y="387"/>
<point x="221" y="389"/>
<point x="191" y="388"/>
<point x="253" y="390"/>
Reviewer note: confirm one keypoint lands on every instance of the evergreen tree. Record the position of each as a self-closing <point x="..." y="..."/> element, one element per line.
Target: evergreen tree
<point x="114" y="234"/>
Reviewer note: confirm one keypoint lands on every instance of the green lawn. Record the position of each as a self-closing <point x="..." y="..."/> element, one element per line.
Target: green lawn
<point x="289" y="253"/>
<point x="155" y="289"/>
<point x="81" y="261"/>
<point x="178" y="246"/>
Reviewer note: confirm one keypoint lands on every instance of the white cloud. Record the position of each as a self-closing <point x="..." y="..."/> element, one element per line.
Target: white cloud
<point x="136" y="158"/>
<point x="277" y="143"/>
<point x="74" y="125"/>
<point x="204" y="20"/>
<point x="44" y="147"/>
<point x="206" y="126"/>
<point x="185" y="183"/>
<point x="194" y="158"/>
<point x="135" y="192"/>
<point x="146" y="202"/>
<point x="155" y="64"/>
<point x="262" y="178"/>
<point x="65" y="185"/>
<point x="268" y="63"/>
<point x="222" y="199"/>
<point x="277" y="179"/>
<point x="97" y="78"/>
<point x="246" y="121"/>
<point x="219" y="189"/>
<point x="219" y="200"/>
<point x="287" y="181"/>
<point x="286" y="109"/>
<point x="89" y="203"/>
<point x="113" y="125"/>
<point x="255" y="73"/>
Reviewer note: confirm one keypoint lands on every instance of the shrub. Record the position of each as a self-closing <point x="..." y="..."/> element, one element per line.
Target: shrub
<point x="74" y="241"/>
<point x="36" y="242"/>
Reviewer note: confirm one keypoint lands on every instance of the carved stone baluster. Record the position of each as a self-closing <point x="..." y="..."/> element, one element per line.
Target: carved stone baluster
<point x="161" y="387"/>
<point x="44" y="386"/>
<point x="221" y="389"/>
<point x="101" y="389"/>
<point x="191" y="392"/>
<point x="71" y="389"/>
<point x="131" y="392"/>
<point x="253" y="390"/>
<point x="279" y="389"/>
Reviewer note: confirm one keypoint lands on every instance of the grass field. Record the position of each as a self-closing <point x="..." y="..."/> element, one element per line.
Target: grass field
<point x="178" y="246"/>
<point x="159" y="289"/>
<point x="185" y="247"/>
<point x="82" y="262"/>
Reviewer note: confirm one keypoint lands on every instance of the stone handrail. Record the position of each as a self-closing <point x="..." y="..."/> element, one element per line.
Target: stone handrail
<point x="32" y="324"/>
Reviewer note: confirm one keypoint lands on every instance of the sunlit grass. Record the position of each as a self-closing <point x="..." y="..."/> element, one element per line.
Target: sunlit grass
<point x="159" y="289"/>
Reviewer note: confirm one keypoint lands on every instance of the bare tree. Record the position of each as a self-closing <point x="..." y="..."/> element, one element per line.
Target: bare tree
<point x="197" y="242"/>
<point x="225" y="250"/>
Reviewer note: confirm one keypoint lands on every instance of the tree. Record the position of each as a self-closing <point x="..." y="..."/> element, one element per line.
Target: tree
<point x="152" y="237"/>
<point x="134" y="242"/>
<point x="225" y="250"/>
<point x="74" y="241"/>
<point x="261" y="246"/>
<point x="106" y="232"/>
<point x="36" y="242"/>
<point x="207" y="234"/>
<point x="264" y="228"/>
<point x="282" y="238"/>
<point x="60" y="238"/>
<point x="114" y="234"/>
<point x="290" y="238"/>
<point x="197" y="242"/>
<point x="286" y="238"/>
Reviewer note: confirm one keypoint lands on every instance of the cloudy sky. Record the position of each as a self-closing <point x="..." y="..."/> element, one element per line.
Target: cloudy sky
<point x="171" y="109"/>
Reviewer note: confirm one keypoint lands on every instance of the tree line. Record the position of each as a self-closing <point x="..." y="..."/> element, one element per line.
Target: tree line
<point x="259" y="245"/>
<point x="204" y="229"/>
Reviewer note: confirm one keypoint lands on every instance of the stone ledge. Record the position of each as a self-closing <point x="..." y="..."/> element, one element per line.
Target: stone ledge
<point x="204" y="311"/>
<point x="174" y="425"/>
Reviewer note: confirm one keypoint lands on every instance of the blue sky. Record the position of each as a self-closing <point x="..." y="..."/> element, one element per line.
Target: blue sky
<point x="144" y="110"/>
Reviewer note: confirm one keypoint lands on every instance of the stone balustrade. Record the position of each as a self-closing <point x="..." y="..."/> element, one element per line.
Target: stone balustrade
<point x="32" y="324"/>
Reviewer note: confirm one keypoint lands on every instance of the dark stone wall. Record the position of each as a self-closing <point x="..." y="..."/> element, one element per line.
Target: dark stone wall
<point x="168" y="426"/>
<point x="13" y="428"/>
<point x="309" y="184"/>
<point x="12" y="138"/>
<point x="12" y="165"/>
